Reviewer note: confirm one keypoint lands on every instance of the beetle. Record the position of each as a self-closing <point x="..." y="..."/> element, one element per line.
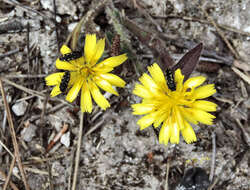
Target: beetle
<point x="170" y="80"/>
<point x="65" y="81"/>
<point x="71" y="56"/>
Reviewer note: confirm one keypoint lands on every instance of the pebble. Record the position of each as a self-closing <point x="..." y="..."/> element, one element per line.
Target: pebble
<point x="65" y="139"/>
<point x="28" y="132"/>
<point x="19" y="108"/>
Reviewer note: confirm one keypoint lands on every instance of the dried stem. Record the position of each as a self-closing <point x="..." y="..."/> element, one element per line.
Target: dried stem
<point x="78" y="150"/>
<point x="213" y="157"/>
<point x="9" y="174"/>
<point x="13" y="135"/>
<point x="13" y="186"/>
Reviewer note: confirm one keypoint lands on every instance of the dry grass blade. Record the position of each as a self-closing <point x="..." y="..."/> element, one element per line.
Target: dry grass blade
<point x="9" y="174"/>
<point x="33" y="92"/>
<point x="213" y="157"/>
<point x="13" y="135"/>
<point x="79" y="142"/>
<point x="6" y="148"/>
<point x="241" y="75"/>
<point x="13" y="186"/>
<point x="167" y="175"/>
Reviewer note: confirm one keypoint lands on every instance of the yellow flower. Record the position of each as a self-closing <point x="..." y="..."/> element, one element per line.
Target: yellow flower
<point x="175" y="110"/>
<point x="87" y="75"/>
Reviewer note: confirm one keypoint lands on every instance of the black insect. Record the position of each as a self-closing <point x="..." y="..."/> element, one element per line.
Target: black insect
<point x="170" y="80"/>
<point x="64" y="82"/>
<point x="71" y="56"/>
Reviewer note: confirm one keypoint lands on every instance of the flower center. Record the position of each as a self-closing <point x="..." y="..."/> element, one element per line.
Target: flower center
<point x="179" y="99"/>
<point x="85" y="71"/>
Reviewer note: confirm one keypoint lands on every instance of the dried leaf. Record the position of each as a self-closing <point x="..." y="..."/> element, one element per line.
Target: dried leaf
<point x="188" y="62"/>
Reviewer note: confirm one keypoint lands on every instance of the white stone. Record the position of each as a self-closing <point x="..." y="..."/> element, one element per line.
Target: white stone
<point x="28" y="132"/>
<point x="65" y="139"/>
<point x="19" y="108"/>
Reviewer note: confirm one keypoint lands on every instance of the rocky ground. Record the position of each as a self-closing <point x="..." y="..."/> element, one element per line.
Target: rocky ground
<point x="115" y="154"/>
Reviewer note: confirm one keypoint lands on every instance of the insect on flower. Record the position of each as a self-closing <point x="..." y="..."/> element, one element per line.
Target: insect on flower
<point x="173" y="105"/>
<point x="71" y="56"/>
<point x="64" y="82"/>
<point x="86" y="74"/>
<point x="170" y="80"/>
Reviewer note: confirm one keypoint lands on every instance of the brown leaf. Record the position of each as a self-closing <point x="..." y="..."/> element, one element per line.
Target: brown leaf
<point x="189" y="61"/>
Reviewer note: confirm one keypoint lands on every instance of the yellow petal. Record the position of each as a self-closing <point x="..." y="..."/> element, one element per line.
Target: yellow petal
<point x="188" y="133"/>
<point x="86" y="100"/>
<point x="162" y="116"/>
<point x="74" y="76"/>
<point x="78" y="62"/>
<point x="113" y="61"/>
<point x="201" y="116"/>
<point x="54" y="79"/>
<point x="98" y="52"/>
<point x="204" y="91"/>
<point x="194" y="82"/>
<point x="187" y="114"/>
<point x="204" y="105"/>
<point x="179" y="118"/>
<point x="113" y="79"/>
<point x="157" y="75"/>
<point x="175" y="133"/>
<point x="141" y="109"/>
<point x="178" y="80"/>
<point x="89" y="48"/>
<point x="146" y="121"/>
<point x="141" y="91"/>
<point x="65" y="49"/>
<point x="164" y="134"/>
<point x="148" y="82"/>
<point x="105" y="85"/>
<point x="102" y="69"/>
<point x="55" y="91"/>
<point x="65" y="65"/>
<point x="73" y="92"/>
<point x="98" y="97"/>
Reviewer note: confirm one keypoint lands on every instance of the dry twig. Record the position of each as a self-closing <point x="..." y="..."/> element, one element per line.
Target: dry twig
<point x="241" y="75"/>
<point x="167" y="174"/>
<point x="213" y="157"/>
<point x="78" y="150"/>
<point x="13" y="186"/>
<point x="13" y="135"/>
<point x="9" y="174"/>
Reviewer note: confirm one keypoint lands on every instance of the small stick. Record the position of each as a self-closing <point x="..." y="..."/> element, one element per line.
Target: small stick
<point x="57" y="41"/>
<point x="167" y="173"/>
<point x="9" y="174"/>
<point x="32" y="92"/>
<point x="13" y="135"/>
<point x="11" y="52"/>
<point x="213" y="157"/>
<point x="25" y="76"/>
<point x="28" y="47"/>
<point x="16" y="3"/>
<point x="6" y="148"/>
<point x="78" y="150"/>
<point x="71" y="168"/>
<point x="13" y="186"/>
<point x="57" y="137"/>
<point x="241" y="75"/>
<point x="41" y="122"/>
